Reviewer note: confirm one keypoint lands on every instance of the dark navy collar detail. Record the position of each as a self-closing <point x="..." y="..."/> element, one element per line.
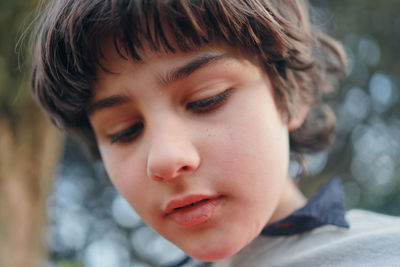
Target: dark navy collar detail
<point x="325" y="207"/>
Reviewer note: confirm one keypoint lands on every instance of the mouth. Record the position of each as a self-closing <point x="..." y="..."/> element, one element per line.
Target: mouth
<point x="191" y="204"/>
<point x="192" y="210"/>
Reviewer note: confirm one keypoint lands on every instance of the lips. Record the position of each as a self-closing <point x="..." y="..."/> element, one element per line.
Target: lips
<point x="192" y="210"/>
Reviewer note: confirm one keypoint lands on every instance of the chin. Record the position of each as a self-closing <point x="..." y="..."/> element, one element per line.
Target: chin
<point x="217" y="247"/>
<point x="213" y="254"/>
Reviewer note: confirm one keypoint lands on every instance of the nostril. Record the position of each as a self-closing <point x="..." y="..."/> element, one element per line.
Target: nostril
<point x="157" y="178"/>
<point x="185" y="168"/>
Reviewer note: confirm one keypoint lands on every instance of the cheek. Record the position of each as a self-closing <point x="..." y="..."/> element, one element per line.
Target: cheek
<point x="257" y="157"/>
<point x="253" y="141"/>
<point x="127" y="175"/>
<point x="252" y="152"/>
<point x="130" y="179"/>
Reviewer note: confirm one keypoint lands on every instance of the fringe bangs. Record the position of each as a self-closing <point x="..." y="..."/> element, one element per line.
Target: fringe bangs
<point x="298" y="58"/>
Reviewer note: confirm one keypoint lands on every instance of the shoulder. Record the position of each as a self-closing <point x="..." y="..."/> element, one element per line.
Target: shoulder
<point x="364" y="219"/>
<point x="372" y="240"/>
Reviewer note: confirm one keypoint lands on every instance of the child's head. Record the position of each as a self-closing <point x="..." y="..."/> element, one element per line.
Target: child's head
<point x="191" y="102"/>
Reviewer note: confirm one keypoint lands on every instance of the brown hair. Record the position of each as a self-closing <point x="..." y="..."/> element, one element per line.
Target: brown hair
<point x="299" y="59"/>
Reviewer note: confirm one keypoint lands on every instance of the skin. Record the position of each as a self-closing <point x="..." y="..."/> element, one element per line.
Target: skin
<point x="237" y="148"/>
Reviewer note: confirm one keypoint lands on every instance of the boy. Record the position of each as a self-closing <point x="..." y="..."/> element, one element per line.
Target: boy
<point x="194" y="106"/>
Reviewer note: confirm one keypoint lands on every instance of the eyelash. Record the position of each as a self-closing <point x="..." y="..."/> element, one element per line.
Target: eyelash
<point x="210" y="103"/>
<point x="200" y="106"/>
<point x="128" y="134"/>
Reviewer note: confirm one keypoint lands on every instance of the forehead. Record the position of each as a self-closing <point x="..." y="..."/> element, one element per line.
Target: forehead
<point x="164" y="65"/>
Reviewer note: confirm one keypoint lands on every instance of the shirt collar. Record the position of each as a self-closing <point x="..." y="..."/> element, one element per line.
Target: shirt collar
<point x="325" y="207"/>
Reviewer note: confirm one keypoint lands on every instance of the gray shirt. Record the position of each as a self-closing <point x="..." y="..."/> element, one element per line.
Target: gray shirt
<point x="372" y="240"/>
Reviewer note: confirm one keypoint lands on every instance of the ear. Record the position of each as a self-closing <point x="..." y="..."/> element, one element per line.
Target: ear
<point x="298" y="118"/>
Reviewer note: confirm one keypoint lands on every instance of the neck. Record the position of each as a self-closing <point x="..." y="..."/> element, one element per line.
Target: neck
<point x="291" y="200"/>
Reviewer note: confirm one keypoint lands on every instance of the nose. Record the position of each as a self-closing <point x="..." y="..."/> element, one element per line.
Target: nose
<point x="171" y="153"/>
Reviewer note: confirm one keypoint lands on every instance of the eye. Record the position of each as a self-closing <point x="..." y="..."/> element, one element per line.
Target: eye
<point x="128" y="134"/>
<point x="210" y="103"/>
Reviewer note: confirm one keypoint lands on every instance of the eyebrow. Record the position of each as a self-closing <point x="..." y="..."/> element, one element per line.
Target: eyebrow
<point x="106" y="103"/>
<point x="172" y="76"/>
<point x="190" y="67"/>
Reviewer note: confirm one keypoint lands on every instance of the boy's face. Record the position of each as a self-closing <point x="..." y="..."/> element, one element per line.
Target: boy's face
<point x="195" y="128"/>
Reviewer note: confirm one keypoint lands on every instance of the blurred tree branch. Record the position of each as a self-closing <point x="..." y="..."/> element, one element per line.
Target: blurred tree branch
<point x="29" y="148"/>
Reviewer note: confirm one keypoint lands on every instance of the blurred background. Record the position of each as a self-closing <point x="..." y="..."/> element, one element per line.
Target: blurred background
<point x="58" y="208"/>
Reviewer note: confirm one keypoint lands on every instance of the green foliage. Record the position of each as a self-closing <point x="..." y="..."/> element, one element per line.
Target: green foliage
<point x="68" y="264"/>
<point x="378" y="19"/>
<point x="15" y="16"/>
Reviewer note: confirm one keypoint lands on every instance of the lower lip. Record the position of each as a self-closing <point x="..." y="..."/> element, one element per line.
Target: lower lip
<point x="195" y="215"/>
